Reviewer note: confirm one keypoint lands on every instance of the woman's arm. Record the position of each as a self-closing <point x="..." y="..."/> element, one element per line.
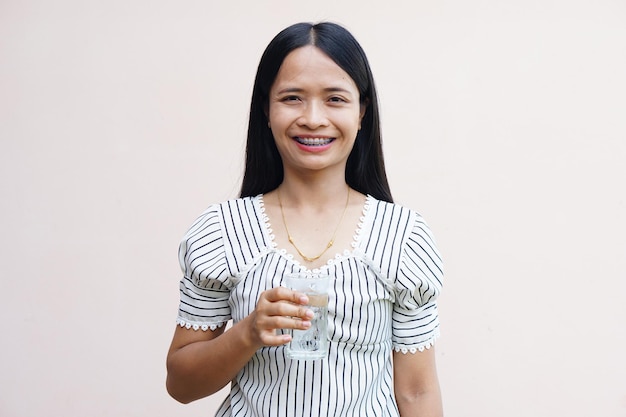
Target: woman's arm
<point x="200" y="363"/>
<point x="416" y="384"/>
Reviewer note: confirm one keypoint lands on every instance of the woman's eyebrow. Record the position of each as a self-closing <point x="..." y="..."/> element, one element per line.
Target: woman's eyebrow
<point x="290" y="90"/>
<point x="327" y="90"/>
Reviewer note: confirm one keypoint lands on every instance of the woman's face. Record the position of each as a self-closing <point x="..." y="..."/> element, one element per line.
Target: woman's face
<point x="314" y="112"/>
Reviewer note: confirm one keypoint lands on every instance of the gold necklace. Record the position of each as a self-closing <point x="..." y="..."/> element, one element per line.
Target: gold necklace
<point x="330" y="242"/>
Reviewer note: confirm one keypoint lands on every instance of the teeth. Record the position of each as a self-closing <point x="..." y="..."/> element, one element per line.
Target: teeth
<point x="314" y="141"/>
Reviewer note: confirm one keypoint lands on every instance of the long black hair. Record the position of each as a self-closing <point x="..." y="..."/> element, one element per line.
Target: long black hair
<point x="365" y="168"/>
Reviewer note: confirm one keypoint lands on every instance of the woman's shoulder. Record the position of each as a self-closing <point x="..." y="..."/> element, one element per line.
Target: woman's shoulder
<point x="387" y="224"/>
<point x="402" y="240"/>
<point x="215" y="214"/>
<point x="215" y="209"/>
<point x="234" y="229"/>
<point x="237" y="202"/>
<point x="393" y="209"/>
<point x="397" y="223"/>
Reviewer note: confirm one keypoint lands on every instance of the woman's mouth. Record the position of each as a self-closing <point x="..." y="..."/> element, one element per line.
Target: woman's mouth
<point x="313" y="141"/>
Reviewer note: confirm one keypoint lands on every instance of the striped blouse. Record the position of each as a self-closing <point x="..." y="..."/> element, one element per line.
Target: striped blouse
<point x="383" y="298"/>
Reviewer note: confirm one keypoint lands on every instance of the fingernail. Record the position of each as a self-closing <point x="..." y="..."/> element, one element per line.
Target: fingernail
<point x="310" y="314"/>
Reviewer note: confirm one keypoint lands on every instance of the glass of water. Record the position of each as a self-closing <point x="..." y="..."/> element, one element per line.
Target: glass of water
<point x="311" y="343"/>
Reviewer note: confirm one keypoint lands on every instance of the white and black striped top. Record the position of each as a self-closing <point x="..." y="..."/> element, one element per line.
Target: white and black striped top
<point x="383" y="298"/>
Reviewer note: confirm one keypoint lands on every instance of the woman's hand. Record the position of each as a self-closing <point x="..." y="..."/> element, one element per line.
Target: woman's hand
<point x="278" y="308"/>
<point x="201" y="363"/>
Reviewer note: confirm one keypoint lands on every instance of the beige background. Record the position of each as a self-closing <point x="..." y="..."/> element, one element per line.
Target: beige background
<point x="504" y="125"/>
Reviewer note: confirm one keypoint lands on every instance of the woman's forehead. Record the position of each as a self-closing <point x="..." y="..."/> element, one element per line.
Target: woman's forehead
<point x="309" y="65"/>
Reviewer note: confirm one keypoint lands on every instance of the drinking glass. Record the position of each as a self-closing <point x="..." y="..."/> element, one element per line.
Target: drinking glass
<point x="312" y="343"/>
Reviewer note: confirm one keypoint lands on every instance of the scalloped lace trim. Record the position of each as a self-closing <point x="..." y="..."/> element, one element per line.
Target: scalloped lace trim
<point x="356" y="239"/>
<point x="197" y="326"/>
<point x="420" y="348"/>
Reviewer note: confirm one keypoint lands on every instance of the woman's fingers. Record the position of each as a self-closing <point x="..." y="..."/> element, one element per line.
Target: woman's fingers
<point x="282" y="301"/>
<point x="285" y="294"/>
<point x="280" y="308"/>
<point x="282" y="322"/>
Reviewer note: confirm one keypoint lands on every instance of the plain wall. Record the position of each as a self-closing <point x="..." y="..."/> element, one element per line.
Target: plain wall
<point x="504" y="125"/>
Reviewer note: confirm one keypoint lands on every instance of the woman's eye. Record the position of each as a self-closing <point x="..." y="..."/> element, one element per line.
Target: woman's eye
<point x="336" y="100"/>
<point x="291" y="98"/>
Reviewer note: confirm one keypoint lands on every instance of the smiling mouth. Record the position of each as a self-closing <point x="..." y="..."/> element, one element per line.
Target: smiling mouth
<point x="313" y="141"/>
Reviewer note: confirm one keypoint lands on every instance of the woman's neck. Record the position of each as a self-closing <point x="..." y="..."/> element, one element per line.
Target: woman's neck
<point x="300" y="192"/>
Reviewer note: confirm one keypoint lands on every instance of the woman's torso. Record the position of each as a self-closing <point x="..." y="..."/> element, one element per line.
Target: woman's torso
<point x="356" y="378"/>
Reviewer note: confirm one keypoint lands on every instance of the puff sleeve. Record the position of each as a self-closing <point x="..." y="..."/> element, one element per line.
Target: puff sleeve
<point x="415" y="322"/>
<point x="205" y="285"/>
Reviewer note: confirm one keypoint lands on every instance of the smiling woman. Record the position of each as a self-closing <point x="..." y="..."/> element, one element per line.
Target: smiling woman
<point x="365" y="168"/>
<point x="314" y="112"/>
<point x="315" y="171"/>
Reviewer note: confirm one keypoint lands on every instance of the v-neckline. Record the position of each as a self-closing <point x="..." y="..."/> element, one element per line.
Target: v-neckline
<point x="339" y="256"/>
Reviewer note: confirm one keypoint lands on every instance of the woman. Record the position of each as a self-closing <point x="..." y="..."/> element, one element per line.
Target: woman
<point x="314" y="175"/>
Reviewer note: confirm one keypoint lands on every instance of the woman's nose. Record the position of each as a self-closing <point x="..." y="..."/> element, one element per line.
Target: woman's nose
<point x="313" y="115"/>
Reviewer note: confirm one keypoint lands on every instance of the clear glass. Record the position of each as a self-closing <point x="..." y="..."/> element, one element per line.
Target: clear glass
<point x="312" y="343"/>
